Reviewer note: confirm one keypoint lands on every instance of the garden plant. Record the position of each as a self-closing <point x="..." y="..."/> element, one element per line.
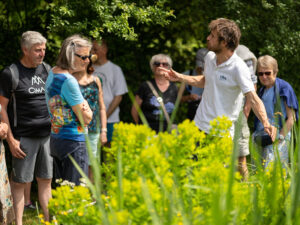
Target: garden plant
<point x="179" y="177"/>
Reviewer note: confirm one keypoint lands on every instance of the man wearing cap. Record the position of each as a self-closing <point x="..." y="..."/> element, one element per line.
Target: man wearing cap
<point x="243" y="142"/>
<point x="195" y="93"/>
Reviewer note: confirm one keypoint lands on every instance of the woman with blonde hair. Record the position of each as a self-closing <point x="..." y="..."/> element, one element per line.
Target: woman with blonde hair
<point x="281" y="105"/>
<point x="69" y="111"/>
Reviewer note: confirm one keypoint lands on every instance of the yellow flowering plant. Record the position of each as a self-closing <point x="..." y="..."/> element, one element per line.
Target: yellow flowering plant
<point x="178" y="177"/>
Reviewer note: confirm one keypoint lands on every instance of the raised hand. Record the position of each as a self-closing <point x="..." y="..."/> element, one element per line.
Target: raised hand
<point x="170" y="74"/>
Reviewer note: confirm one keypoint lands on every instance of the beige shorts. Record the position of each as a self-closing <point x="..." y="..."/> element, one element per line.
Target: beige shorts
<point x="243" y="141"/>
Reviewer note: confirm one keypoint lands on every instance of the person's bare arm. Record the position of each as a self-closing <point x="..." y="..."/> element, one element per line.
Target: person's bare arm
<point x="190" y="97"/>
<point x="83" y="112"/>
<point x="247" y="106"/>
<point x="14" y="144"/>
<point x="113" y="105"/>
<point x="134" y="112"/>
<point x="290" y="113"/>
<point x="260" y="111"/>
<point x="3" y="130"/>
<point x="172" y="75"/>
<point x="102" y="114"/>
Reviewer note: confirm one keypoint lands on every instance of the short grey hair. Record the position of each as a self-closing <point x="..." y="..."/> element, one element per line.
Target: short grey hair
<point x="158" y="57"/>
<point x="30" y="38"/>
<point x="267" y="61"/>
<point x="68" y="49"/>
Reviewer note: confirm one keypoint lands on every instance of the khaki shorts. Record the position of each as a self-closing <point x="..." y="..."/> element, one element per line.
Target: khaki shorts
<point x="243" y="141"/>
<point x="37" y="161"/>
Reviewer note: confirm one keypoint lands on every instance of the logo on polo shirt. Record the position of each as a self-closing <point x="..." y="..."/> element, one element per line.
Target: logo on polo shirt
<point x="222" y="77"/>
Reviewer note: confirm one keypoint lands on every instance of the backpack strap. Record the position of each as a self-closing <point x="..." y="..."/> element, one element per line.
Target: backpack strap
<point x="47" y="67"/>
<point x="15" y="81"/>
<point x="160" y="100"/>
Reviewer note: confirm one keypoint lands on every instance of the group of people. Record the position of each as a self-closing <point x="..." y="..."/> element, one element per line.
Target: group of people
<point x="224" y="83"/>
<point x="47" y="113"/>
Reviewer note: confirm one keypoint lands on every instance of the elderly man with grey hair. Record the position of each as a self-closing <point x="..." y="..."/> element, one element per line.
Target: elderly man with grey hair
<point x="24" y="110"/>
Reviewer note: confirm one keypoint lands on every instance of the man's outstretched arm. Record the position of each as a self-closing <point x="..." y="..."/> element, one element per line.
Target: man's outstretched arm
<point x="172" y="75"/>
<point x="260" y="111"/>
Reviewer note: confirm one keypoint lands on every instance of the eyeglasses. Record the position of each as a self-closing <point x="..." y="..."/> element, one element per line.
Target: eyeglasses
<point x="83" y="57"/>
<point x="157" y="64"/>
<point x="268" y="73"/>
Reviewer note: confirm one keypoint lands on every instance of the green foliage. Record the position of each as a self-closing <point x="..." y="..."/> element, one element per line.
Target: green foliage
<point x="136" y="30"/>
<point x="271" y="27"/>
<point x="97" y="17"/>
<point x="182" y="177"/>
<point x="15" y="18"/>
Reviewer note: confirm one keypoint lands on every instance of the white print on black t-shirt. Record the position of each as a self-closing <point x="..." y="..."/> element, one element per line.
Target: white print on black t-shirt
<point x="36" y="90"/>
<point x="36" y="80"/>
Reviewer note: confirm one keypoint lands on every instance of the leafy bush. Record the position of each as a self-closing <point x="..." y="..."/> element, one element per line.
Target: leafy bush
<point x="182" y="177"/>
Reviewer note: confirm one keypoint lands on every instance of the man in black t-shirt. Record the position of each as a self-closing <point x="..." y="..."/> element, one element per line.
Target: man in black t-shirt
<point x="25" y="112"/>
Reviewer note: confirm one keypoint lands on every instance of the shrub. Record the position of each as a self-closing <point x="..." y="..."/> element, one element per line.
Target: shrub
<point x="182" y="177"/>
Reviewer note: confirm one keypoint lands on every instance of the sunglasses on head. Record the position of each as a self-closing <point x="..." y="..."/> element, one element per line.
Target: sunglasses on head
<point x="83" y="57"/>
<point x="157" y="64"/>
<point x="268" y="73"/>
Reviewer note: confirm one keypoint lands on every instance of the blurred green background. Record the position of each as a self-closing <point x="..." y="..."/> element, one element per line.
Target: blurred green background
<point x="136" y="30"/>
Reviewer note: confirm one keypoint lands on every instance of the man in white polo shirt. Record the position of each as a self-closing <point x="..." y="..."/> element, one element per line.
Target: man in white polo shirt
<point x="226" y="79"/>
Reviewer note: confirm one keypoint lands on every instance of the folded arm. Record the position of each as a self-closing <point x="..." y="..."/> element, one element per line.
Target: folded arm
<point x="83" y="112"/>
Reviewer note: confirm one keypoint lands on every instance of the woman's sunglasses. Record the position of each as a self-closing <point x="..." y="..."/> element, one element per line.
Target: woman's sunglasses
<point x="157" y="64"/>
<point x="260" y="74"/>
<point x="83" y="57"/>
